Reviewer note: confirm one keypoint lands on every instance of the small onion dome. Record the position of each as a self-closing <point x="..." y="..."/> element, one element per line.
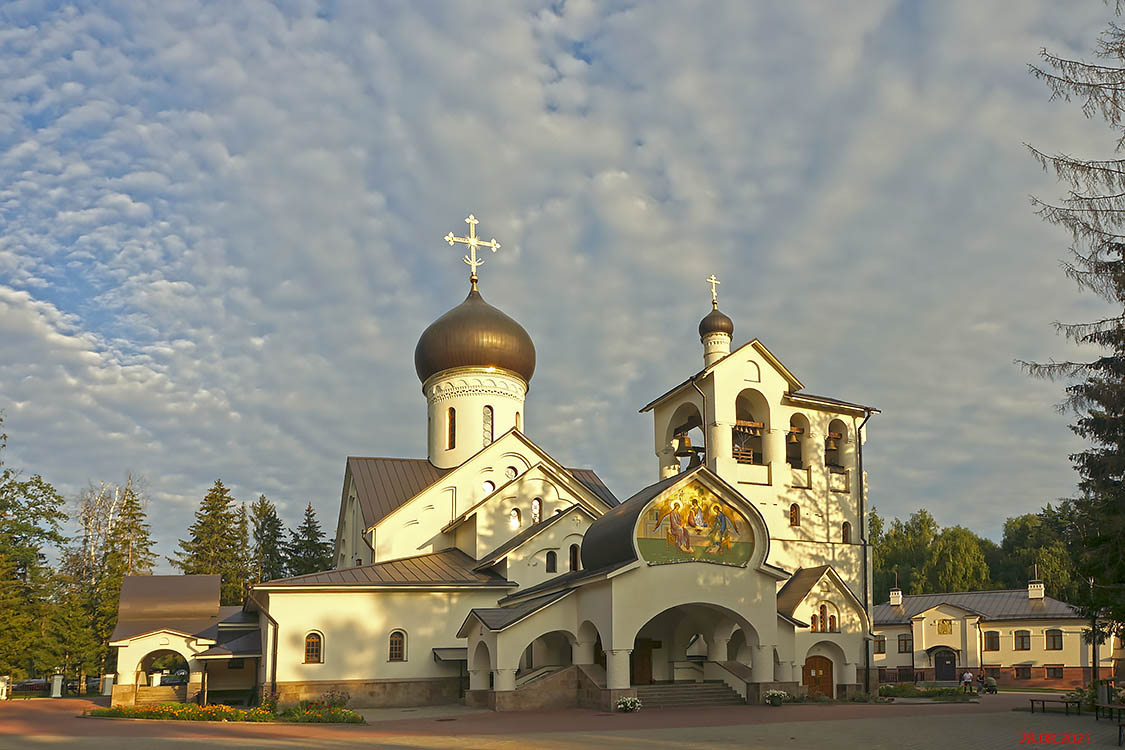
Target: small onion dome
<point x="715" y="322"/>
<point x="474" y="334"/>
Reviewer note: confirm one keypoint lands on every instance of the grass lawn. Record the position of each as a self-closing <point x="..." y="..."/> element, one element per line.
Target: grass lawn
<point x="1030" y="690"/>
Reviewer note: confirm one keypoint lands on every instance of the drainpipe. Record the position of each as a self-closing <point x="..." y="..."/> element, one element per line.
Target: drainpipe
<point x="863" y="537"/>
<point x="273" y="641"/>
<point x="706" y="440"/>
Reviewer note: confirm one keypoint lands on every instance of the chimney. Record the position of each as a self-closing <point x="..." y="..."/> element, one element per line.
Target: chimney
<point x="896" y="597"/>
<point x="1035" y="586"/>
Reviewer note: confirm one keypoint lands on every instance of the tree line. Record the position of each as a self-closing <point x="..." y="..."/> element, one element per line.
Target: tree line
<point x="59" y="591"/>
<point x="923" y="558"/>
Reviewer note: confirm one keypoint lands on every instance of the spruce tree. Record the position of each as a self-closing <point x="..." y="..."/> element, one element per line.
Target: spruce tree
<point x="213" y="546"/>
<point x="31" y="511"/>
<point x="269" y="541"/>
<point x="307" y="552"/>
<point x="1093" y="213"/>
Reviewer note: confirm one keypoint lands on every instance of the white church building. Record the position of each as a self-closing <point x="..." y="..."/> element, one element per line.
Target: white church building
<point x="490" y="573"/>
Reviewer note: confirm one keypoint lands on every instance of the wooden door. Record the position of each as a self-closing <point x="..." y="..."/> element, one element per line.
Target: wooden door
<point x="817" y="676"/>
<point x="945" y="666"/>
<point x="640" y="662"/>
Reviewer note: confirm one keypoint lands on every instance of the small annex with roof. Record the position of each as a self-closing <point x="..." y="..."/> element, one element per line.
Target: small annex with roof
<point x="492" y="573"/>
<point x="1019" y="637"/>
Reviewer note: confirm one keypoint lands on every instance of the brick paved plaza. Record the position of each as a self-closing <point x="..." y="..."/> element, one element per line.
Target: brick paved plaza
<point x="992" y="723"/>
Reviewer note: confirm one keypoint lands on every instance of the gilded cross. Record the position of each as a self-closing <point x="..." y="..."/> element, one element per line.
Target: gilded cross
<point x="473" y="242"/>
<point x="714" y="291"/>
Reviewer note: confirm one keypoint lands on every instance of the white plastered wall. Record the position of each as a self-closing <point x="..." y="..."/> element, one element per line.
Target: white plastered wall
<point x="130" y="655"/>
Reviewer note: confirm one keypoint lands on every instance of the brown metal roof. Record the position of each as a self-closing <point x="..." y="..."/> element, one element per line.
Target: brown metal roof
<point x="383" y="484"/>
<point x="797" y="588"/>
<point x="591" y="481"/>
<point x="1007" y="604"/>
<point x="498" y="618"/>
<point x="185" y="604"/>
<point x="450" y="567"/>
<point x="234" y="645"/>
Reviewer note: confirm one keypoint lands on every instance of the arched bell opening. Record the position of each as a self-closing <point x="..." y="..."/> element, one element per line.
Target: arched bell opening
<point x="684" y="440"/>
<point x="751" y="426"/>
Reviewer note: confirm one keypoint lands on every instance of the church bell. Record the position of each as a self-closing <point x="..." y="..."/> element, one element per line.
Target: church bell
<point x="684" y="449"/>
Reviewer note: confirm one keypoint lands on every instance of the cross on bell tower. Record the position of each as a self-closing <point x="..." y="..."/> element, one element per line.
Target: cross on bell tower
<point x="473" y="242"/>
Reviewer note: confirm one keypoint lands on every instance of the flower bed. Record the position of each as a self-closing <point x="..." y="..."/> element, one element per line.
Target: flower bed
<point x="185" y="712"/>
<point x="305" y="713"/>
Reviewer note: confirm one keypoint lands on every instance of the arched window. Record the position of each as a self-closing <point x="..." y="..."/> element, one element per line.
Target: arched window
<point x="451" y="429"/>
<point x="823" y="617"/>
<point x="487" y="419"/>
<point x="846" y="533"/>
<point x="832" y="625"/>
<point x="536" y="510"/>
<point x="519" y="422"/>
<point x="396" y="650"/>
<point x="515" y="518"/>
<point x="1054" y="639"/>
<point x="552" y="562"/>
<point x="794" y="515"/>
<point x="750" y="425"/>
<point x="358" y="562"/>
<point x="1023" y="640"/>
<point x="814" y="621"/>
<point x="314" y="651"/>
<point x="574" y="557"/>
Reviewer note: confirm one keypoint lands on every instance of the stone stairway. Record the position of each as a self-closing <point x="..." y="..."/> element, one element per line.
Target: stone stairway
<point x="161" y="694"/>
<point x="671" y="695"/>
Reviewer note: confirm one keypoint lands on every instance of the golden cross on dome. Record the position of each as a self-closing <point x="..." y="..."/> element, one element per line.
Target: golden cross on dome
<point x="714" y="291"/>
<point x="473" y="242"/>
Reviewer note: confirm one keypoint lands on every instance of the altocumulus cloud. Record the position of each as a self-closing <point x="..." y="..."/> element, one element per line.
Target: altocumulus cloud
<point x="221" y="229"/>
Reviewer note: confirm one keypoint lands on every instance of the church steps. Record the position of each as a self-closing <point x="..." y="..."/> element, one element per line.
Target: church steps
<point x="670" y="695"/>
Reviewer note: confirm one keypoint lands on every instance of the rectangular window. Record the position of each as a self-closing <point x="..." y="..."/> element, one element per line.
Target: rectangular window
<point x="1023" y="640"/>
<point x="1054" y="673"/>
<point x="993" y="672"/>
<point x="991" y="640"/>
<point x="905" y="644"/>
<point x="1023" y="673"/>
<point x="1054" y="640"/>
<point x="881" y="645"/>
<point x="235" y="664"/>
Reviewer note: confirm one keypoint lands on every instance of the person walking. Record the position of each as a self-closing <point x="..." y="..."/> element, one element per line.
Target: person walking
<point x="967" y="682"/>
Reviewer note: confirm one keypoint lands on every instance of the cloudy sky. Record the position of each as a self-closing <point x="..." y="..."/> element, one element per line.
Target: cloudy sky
<point x="221" y="223"/>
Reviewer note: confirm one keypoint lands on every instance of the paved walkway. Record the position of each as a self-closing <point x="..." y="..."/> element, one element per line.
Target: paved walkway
<point x="989" y="724"/>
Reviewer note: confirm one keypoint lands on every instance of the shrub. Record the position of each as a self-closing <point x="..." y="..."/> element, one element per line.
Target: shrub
<point x="185" y="712"/>
<point x="336" y="698"/>
<point x="628" y="705"/>
<point x="776" y="697"/>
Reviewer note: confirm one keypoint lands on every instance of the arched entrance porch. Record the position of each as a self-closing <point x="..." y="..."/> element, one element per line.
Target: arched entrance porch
<point x="677" y="645"/>
<point x="826" y="668"/>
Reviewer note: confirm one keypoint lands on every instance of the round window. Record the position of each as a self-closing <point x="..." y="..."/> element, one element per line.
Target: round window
<point x="487" y="486"/>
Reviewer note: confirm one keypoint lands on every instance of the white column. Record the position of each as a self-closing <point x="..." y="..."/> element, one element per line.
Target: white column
<point x="669" y="464"/>
<point x="478" y="679"/>
<point x="717" y="649"/>
<point x="617" y="668"/>
<point x="583" y="652"/>
<point x="761" y="669"/>
<point x="775" y="454"/>
<point x="503" y="679"/>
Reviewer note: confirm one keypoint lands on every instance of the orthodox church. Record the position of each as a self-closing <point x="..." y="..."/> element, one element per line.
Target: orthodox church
<point x="490" y="573"/>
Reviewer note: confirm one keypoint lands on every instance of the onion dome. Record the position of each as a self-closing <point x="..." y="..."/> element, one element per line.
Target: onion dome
<point x="474" y="334"/>
<point x="715" y="322"/>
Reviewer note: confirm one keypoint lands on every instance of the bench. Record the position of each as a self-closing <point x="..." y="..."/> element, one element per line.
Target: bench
<point x="1066" y="704"/>
<point x="1108" y="709"/>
